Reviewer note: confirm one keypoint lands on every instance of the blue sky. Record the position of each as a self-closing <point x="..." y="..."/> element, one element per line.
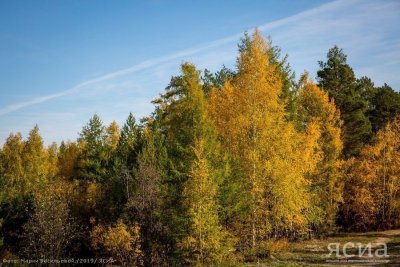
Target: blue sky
<point x="63" y="61"/>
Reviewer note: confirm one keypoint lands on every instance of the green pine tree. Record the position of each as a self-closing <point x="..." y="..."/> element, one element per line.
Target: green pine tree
<point x="338" y="79"/>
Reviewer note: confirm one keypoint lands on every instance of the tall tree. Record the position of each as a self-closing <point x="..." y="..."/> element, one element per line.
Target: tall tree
<point x="182" y="118"/>
<point x="326" y="185"/>
<point x="92" y="159"/>
<point x="129" y="143"/>
<point x="13" y="175"/>
<point x="251" y="121"/>
<point x="15" y="200"/>
<point x="337" y="78"/>
<point x="35" y="158"/>
<point x="145" y="203"/>
<point x="207" y="242"/>
<point x="122" y="161"/>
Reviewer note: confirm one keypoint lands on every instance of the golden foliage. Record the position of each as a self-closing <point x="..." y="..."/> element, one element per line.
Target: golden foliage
<point x="373" y="188"/>
<point x="120" y="242"/>
<point x="318" y="114"/>
<point x="113" y="135"/>
<point x="208" y="243"/>
<point x="271" y="158"/>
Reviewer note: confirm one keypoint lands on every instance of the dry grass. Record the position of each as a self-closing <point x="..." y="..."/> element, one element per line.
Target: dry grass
<point x="315" y="252"/>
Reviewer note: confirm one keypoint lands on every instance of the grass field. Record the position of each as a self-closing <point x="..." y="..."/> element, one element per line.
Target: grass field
<point x="315" y="252"/>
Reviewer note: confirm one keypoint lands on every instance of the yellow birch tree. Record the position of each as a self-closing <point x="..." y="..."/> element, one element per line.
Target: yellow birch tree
<point x="269" y="156"/>
<point x="314" y="107"/>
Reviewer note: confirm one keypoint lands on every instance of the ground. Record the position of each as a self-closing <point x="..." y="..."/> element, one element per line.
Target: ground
<point x="315" y="252"/>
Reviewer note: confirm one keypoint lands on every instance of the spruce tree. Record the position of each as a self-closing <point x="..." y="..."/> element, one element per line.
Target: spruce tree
<point x="93" y="157"/>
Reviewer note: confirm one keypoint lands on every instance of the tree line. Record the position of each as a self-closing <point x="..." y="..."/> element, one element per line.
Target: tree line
<point x="228" y="166"/>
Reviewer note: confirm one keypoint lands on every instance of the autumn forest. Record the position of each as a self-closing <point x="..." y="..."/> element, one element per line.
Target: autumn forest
<point x="228" y="167"/>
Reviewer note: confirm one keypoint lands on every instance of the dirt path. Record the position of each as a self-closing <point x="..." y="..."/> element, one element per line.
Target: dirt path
<point x="316" y="252"/>
<point x="379" y="241"/>
<point x="383" y="239"/>
<point x="391" y="232"/>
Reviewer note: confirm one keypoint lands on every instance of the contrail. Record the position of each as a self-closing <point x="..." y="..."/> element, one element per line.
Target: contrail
<point x="141" y="66"/>
<point x="152" y="62"/>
